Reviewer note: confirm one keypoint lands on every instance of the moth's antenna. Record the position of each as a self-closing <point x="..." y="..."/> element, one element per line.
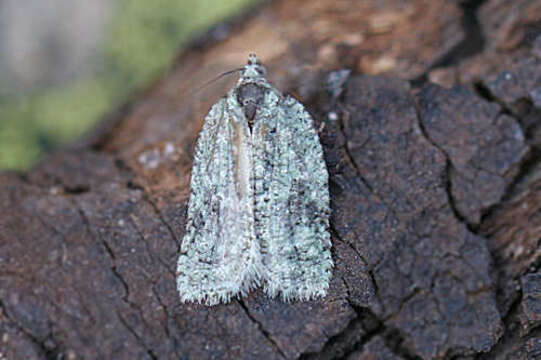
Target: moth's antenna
<point x="215" y="79"/>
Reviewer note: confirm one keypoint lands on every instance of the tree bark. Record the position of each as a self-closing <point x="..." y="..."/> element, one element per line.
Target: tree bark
<point x="429" y="113"/>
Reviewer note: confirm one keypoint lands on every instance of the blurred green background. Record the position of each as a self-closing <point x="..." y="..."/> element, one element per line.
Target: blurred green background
<point x="137" y="40"/>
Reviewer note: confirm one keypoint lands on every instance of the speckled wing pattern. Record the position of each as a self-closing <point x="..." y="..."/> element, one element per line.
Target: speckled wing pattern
<point x="292" y="201"/>
<point x="219" y="255"/>
<point x="259" y="206"/>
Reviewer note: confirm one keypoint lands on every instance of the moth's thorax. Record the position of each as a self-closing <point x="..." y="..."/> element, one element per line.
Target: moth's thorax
<point x="251" y="88"/>
<point x="251" y="96"/>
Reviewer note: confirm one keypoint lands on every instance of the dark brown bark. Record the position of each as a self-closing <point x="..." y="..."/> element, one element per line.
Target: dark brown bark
<point x="432" y="142"/>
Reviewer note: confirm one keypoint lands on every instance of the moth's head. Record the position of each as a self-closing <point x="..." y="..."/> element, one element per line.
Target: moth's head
<point x="253" y="71"/>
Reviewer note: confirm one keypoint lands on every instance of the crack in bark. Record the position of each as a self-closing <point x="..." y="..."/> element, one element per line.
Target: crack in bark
<point x="350" y="158"/>
<point x="372" y="326"/>
<point x="261" y="328"/>
<point x="123" y="168"/>
<point x="145" y="242"/>
<point x="395" y="342"/>
<point x="473" y="43"/>
<point x="117" y="274"/>
<point x="108" y="250"/>
<point x="403" y="302"/>
<point x="387" y="333"/>
<point x="370" y="268"/>
<point x="346" y="285"/>
<point x="138" y="338"/>
<point x="448" y="185"/>
<point x="357" y="170"/>
<point x="165" y="311"/>
<point x="353" y="328"/>
<point x="509" y="330"/>
<point x="484" y="92"/>
<point x="162" y="219"/>
<point x="527" y="163"/>
<point x="361" y="256"/>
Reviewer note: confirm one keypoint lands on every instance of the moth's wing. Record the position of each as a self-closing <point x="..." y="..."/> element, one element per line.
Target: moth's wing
<point x="219" y="255"/>
<point x="292" y="200"/>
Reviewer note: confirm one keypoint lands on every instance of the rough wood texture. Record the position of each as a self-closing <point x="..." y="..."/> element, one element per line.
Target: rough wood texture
<point x="432" y="143"/>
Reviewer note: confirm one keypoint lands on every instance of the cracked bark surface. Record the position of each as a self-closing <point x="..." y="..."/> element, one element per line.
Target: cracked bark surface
<point x="435" y="192"/>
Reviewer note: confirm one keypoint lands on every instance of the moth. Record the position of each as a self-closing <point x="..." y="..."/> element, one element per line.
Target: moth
<point x="258" y="213"/>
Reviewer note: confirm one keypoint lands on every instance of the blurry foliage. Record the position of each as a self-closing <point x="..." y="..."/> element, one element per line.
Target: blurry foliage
<point x="141" y="42"/>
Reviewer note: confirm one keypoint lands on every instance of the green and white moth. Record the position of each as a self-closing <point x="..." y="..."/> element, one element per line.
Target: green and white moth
<point x="259" y="207"/>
